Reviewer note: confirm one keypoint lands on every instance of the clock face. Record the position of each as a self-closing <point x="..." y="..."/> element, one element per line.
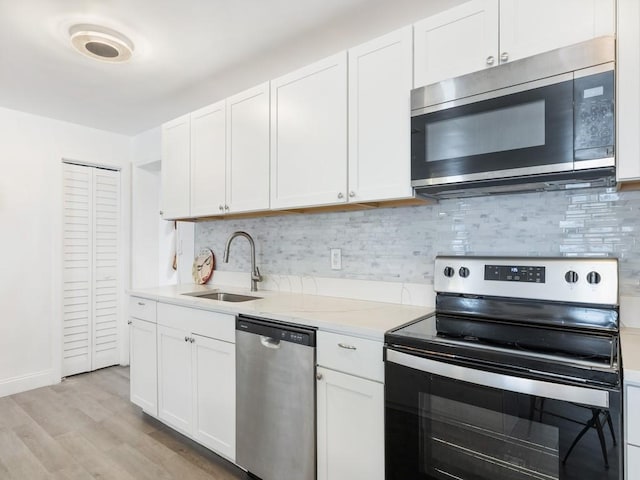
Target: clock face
<point x="203" y="266"/>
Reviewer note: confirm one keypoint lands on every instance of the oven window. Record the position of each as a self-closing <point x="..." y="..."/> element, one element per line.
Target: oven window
<point x="460" y="440"/>
<point x="439" y="428"/>
<point x="499" y="130"/>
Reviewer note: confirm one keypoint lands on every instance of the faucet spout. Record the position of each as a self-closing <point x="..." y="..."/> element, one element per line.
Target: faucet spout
<point x="255" y="272"/>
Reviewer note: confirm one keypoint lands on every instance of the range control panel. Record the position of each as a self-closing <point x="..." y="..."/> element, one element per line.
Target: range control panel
<point x="565" y="279"/>
<point x="514" y="273"/>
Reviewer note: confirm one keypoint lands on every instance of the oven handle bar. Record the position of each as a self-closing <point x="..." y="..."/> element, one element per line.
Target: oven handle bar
<point x="527" y="386"/>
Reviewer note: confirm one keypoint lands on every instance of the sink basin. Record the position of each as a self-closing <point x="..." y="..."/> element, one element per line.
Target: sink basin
<point x="223" y="296"/>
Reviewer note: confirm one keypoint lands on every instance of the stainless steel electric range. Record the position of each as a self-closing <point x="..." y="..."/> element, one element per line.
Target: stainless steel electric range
<point x="515" y="377"/>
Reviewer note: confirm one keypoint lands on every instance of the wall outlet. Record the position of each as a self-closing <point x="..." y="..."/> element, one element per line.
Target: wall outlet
<point x="336" y="259"/>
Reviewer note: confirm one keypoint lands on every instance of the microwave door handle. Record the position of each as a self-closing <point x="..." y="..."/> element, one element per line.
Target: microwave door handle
<point x="527" y="386"/>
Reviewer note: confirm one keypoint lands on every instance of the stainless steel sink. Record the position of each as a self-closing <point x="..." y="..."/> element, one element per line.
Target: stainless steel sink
<point x="223" y="296"/>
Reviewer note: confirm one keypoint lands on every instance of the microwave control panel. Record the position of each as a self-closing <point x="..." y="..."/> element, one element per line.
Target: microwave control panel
<point x="594" y="116"/>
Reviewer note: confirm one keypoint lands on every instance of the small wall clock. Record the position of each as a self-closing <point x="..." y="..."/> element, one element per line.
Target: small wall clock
<point x="203" y="266"/>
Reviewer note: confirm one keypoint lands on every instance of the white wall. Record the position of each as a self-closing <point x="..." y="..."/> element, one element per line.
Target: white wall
<point x="31" y="153"/>
<point x="154" y="241"/>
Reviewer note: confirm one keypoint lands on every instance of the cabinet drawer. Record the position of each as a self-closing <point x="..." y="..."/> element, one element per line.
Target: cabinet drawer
<point x="633" y="463"/>
<point x="353" y="355"/>
<point x="633" y="414"/>
<point x="143" y="309"/>
<point x="220" y="326"/>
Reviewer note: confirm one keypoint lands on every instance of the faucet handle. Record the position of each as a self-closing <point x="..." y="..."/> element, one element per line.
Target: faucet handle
<point x="256" y="275"/>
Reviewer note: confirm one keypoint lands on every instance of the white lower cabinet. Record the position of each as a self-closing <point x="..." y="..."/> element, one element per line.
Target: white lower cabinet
<point x="144" y="368"/>
<point x="350" y="408"/>
<point x="214" y="394"/>
<point x="632" y="434"/>
<point x="350" y="412"/>
<point x="174" y="378"/>
<point x="196" y="374"/>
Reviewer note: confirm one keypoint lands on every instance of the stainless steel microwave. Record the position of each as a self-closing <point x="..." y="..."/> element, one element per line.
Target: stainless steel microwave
<point x="540" y="123"/>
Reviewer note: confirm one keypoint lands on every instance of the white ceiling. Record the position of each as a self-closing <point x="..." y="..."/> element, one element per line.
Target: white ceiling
<point x="184" y="50"/>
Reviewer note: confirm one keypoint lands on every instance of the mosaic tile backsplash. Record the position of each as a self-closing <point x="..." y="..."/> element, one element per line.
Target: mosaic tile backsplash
<point x="400" y="244"/>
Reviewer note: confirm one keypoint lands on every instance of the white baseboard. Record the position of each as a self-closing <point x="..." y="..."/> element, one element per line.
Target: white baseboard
<point x="10" y="386"/>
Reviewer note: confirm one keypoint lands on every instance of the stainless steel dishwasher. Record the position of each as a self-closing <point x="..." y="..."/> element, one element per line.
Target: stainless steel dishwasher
<point x="276" y="399"/>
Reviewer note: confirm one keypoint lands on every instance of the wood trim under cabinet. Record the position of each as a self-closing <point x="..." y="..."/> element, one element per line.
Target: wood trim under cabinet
<point x="343" y="207"/>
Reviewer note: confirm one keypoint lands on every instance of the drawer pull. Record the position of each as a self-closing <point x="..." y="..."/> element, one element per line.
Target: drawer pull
<point x="347" y="346"/>
<point x="142" y="304"/>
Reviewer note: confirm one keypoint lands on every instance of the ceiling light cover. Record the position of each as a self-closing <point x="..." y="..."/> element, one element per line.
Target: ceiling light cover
<point x="101" y="43"/>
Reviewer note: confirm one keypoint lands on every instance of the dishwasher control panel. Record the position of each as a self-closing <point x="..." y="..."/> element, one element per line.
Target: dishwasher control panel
<point x="282" y="332"/>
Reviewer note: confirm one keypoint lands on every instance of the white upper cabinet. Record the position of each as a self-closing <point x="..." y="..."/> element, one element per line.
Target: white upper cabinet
<point x="247" y="170"/>
<point x="208" y="157"/>
<point x="380" y="81"/>
<point x="309" y="135"/>
<point x="176" y="153"/>
<point x="529" y="27"/>
<point x="484" y="33"/>
<point x="628" y="94"/>
<point x="455" y="42"/>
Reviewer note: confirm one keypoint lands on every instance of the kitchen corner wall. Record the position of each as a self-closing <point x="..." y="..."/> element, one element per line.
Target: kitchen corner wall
<point x="399" y="244"/>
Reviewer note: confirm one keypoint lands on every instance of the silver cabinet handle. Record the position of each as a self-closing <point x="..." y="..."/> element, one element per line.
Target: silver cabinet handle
<point x="161" y="212"/>
<point x="490" y="60"/>
<point x="340" y="195"/>
<point x="129" y="322"/>
<point x="504" y="56"/>
<point x="220" y="207"/>
<point x="192" y="340"/>
<point x="226" y="207"/>
<point x="352" y="194"/>
<point x="186" y="339"/>
<point x="318" y="376"/>
<point x="142" y="304"/>
<point x="347" y="346"/>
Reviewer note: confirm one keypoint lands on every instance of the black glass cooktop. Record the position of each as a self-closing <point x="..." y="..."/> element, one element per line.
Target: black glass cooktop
<point x="579" y="355"/>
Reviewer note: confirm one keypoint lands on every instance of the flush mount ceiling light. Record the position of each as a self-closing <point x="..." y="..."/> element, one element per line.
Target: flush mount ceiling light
<point x="101" y="43"/>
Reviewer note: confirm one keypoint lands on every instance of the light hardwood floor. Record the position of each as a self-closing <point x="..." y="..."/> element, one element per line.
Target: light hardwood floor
<point x="85" y="428"/>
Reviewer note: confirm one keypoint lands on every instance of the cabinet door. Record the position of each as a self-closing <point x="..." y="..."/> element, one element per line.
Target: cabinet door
<point x="379" y="118"/>
<point x="628" y="101"/>
<point x="208" y="152"/>
<point x="350" y="427"/>
<point x="529" y="27"/>
<point x="633" y="463"/>
<point x="175" y="168"/>
<point x="309" y="135"/>
<point x="144" y="366"/>
<point x="248" y="150"/>
<point x="457" y="41"/>
<point x="174" y="378"/>
<point x="214" y="395"/>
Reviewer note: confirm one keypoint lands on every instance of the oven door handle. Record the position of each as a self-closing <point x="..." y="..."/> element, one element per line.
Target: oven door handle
<point x="569" y="393"/>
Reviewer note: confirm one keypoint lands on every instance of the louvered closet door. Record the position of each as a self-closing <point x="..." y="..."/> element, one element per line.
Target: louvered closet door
<point x="90" y="264"/>
<point x="77" y="268"/>
<point x="106" y="188"/>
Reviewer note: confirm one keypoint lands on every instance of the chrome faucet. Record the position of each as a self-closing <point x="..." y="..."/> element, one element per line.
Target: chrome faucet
<point x="255" y="272"/>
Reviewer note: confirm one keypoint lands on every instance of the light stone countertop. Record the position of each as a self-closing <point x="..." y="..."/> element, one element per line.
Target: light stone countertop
<point x="340" y="315"/>
<point x="630" y="344"/>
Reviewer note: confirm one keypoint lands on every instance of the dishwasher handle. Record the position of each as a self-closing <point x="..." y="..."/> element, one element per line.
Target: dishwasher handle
<point x="269" y="342"/>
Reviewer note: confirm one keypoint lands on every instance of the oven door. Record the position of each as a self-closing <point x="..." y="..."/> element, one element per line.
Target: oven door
<point x="523" y="130"/>
<point x="452" y="422"/>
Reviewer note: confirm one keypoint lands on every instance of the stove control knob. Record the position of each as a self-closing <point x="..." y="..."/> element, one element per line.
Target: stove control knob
<point x="571" y="276"/>
<point x="593" y="278"/>
<point x="463" y="272"/>
<point x="449" y="272"/>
